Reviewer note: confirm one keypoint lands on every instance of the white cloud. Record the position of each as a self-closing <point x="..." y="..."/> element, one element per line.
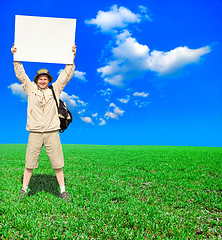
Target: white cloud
<point x="168" y="62"/>
<point x="81" y="103"/>
<point x="111" y="115"/>
<point x="87" y="120"/>
<point x="124" y="100"/>
<point x="130" y="58"/>
<point x="17" y="89"/>
<point x="77" y="74"/>
<point x="82" y="111"/>
<point x="103" y="122"/>
<point x="142" y="94"/>
<point x="114" y="19"/>
<point x="80" y="75"/>
<point x="95" y="115"/>
<point x="129" y="48"/>
<point x="112" y="105"/>
<point x="111" y="69"/>
<point x="143" y="9"/>
<point x="115" y="79"/>
<point x="73" y="102"/>
<point x="141" y="104"/>
<point x="105" y="92"/>
<point x="122" y="36"/>
<point x="116" y="112"/>
<point x="59" y="71"/>
<point x="69" y="100"/>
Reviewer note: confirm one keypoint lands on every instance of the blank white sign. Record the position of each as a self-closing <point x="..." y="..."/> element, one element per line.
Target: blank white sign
<point x="44" y="39"/>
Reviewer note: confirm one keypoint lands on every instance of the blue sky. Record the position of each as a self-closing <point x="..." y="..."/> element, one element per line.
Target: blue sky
<point x="147" y="72"/>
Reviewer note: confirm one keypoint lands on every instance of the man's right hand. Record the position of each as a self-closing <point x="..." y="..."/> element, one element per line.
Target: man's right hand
<point x="13" y="49"/>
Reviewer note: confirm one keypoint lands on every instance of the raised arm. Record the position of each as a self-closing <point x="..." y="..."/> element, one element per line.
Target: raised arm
<point x="20" y="72"/>
<point x="66" y="74"/>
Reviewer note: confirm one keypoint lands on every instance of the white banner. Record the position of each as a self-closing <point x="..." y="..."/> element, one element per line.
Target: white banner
<point x="44" y="39"/>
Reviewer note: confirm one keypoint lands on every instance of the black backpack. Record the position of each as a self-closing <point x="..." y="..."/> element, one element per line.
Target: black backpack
<point x="65" y="115"/>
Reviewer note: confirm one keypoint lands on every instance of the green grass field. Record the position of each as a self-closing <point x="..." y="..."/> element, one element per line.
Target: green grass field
<point x="117" y="192"/>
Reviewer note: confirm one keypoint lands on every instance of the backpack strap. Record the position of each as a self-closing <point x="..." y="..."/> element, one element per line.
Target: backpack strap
<point x="53" y="93"/>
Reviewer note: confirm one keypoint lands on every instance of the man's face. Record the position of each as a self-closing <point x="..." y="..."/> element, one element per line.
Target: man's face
<point x="43" y="81"/>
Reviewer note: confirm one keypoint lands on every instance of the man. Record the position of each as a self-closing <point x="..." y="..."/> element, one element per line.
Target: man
<point x="43" y="121"/>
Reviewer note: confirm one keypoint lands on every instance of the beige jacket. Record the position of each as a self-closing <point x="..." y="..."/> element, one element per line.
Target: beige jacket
<point x="42" y="113"/>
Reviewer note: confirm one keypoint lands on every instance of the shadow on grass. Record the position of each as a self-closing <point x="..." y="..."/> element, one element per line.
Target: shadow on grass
<point x="43" y="182"/>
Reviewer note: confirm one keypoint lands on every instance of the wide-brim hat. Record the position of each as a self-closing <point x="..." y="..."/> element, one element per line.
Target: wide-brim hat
<point x="43" y="71"/>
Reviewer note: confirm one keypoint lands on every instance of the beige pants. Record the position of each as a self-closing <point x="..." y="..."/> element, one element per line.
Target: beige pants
<point x="53" y="148"/>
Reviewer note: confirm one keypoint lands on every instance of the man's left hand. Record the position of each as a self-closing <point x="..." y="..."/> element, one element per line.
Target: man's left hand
<point x="74" y="50"/>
